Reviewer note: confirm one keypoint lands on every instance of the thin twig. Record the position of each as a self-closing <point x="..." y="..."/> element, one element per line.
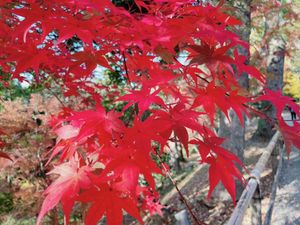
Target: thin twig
<point x="56" y="96"/>
<point x="264" y="116"/>
<point x="202" y="78"/>
<point x="125" y="67"/>
<point x="196" y="220"/>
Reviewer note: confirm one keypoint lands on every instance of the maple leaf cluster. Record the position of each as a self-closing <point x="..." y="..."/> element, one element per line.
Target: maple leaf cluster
<point x="177" y="66"/>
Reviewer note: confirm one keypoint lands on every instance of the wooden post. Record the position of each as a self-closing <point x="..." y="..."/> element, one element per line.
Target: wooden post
<point x="256" y="207"/>
<point x="274" y="158"/>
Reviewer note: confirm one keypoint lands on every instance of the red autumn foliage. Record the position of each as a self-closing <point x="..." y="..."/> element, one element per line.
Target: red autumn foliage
<point x="145" y="45"/>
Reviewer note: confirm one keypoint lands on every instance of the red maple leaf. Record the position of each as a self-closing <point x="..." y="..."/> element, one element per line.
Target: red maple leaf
<point x="97" y="122"/>
<point x="290" y="131"/>
<point x="250" y="70"/>
<point x="72" y="178"/>
<point x="177" y="120"/>
<point x="223" y="164"/>
<point x="5" y="155"/>
<point x="152" y="205"/>
<point x="90" y="60"/>
<point x="106" y="200"/>
<point x="279" y="101"/>
<point x="223" y="168"/>
<point x="207" y="53"/>
<point x="78" y="25"/>
<point x="27" y="57"/>
<point x="132" y="158"/>
<point x="144" y="98"/>
<point x="35" y="14"/>
<point x="142" y="42"/>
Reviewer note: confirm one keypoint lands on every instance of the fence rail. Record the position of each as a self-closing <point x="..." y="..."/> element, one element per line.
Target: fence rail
<point x="251" y="194"/>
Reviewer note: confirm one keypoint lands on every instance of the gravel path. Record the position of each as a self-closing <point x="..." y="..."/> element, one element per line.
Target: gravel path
<point x="287" y="203"/>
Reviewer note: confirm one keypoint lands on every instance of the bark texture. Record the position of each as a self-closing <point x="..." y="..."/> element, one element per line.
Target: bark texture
<point x="274" y="52"/>
<point x="235" y="131"/>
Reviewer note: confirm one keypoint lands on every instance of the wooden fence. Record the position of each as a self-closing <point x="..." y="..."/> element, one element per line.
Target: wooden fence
<point x="251" y="195"/>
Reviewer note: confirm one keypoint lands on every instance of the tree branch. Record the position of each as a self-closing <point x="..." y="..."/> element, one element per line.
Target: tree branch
<point x="196" y="220"/>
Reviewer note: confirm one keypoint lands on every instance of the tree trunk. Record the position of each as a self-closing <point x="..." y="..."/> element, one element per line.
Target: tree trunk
<point x="275" y="72"/>
<point x="274" y="53"/>
<point x="235" y="130"/>
<point x="177" y="166"/>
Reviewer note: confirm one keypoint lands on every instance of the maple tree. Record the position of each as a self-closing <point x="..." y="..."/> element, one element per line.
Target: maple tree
<point x="25" y="140"/>
<point x="178" y="63"/>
